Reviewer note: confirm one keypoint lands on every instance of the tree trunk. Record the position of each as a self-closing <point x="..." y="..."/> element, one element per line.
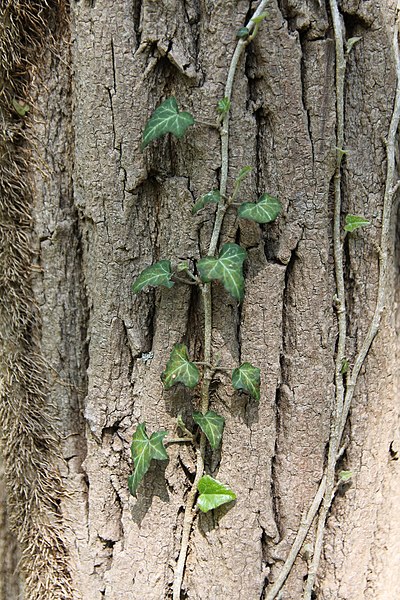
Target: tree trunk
<point x="100" y="211"/>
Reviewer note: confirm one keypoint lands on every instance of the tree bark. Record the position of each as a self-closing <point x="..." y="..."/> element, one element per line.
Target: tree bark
<point x="103" y="211"/>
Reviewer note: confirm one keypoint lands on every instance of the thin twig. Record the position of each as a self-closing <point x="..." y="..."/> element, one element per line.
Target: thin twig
<point x="202" y="363"/>
<point x="188" y="521"/>
<point x="390" y="191"/>
<point x="326" y="489"/>
<point x="204" y="404"/>
<point x="180" y="440"/>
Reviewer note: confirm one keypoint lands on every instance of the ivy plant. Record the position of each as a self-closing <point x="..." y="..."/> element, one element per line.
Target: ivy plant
<point x="226" y="268"/>
<point x="353" y="222"/>
<point x="223" y="265"/>
<point x="144" y="450"/>
<point x="166" y="119"/>
<point x="212" y="494"/>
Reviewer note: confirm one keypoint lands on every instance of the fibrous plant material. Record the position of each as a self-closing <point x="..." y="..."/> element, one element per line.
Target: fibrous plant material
<point x="28" y="439"/>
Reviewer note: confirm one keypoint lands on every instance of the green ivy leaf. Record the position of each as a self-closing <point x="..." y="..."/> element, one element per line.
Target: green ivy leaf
<point x="213" y="494"/>
<point x="212" y="425"/>
<point x="166" y="119"/>
<point x="179" y="369"/>
<point x="224" y="106"/>
<point x="244" y="171"/>
<point x="227" y="268"/>
<point x="345" y="476"/>
<point x="260" y="18"/>
<point x="264" y="211"/>
<point x="355" y="222"/>
<point x="243" y="33"/>
<point x="212" y="197"/>
<point x="247" y="378"/>
<point x="144" y="450"/>
<point x="158" y="274"/>
<point x="20" y="107"/>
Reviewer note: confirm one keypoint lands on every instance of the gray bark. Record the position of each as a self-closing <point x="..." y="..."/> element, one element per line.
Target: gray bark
<point x="104" y="211"/>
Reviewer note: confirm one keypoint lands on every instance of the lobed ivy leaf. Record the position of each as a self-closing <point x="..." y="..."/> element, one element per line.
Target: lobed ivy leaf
<point x="144" y="450"/>
<point x="179" y="369"/>
<point x="264" y="211"/>
<point x="212" y="197"/>
<point x="247" y="378"/>
<point x="223" y="106"/>
<point x="166" y="119"/>
<point x="158" y="274"/>
<point x="244" y="171"/>
<point x="213" y="494"/>
<point x="227" y="268"/>
<point x="353" y="222"/>
<point x="212" y="425"/>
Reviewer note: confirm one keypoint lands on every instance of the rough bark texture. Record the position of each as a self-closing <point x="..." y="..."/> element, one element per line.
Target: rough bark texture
<point x="103" y="211"/>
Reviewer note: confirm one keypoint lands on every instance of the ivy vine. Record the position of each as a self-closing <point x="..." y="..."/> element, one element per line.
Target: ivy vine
<point x="225" y="265"/>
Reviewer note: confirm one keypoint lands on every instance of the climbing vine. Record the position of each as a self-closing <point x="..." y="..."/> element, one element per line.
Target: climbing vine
<point x="225" y="265"/>
<point x="345" y="377"/>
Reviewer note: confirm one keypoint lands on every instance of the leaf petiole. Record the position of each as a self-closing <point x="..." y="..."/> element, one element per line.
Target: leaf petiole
<point x="215" y="125"/>
<point x="180" y="440"/>
<point x="178" y="279"/>
<point x="181" y="425"/>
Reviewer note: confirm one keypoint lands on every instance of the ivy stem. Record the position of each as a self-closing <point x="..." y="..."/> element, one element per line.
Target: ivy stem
<point x="204" y="404"/>
<point x="181" y="440"/>
<point x="200" y="451"/>
<point x="201" y="363"/>
<point x="336" y="417"/>
<point x="389" y="194"/>
<point x="326" y="489"/>
<point x="298" y="542"/>
<point x="188" y="520"/>
<point x="222" y="207"/>
<point x="207" y="124"/>
<point x="344" y="398"/>
<point x="207" y="306"/>
<point x="214" y="368"/>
